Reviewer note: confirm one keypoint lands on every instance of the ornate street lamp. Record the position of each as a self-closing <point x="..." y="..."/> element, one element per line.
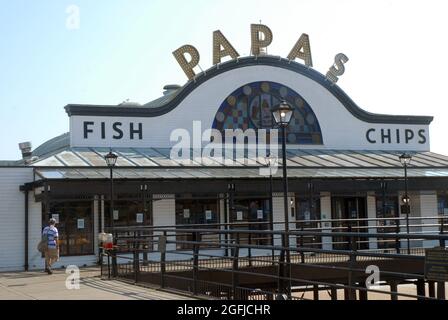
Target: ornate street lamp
<point x="111" y="160"/>
<point x="282" y="115"/>
<point x="405" y="160"/>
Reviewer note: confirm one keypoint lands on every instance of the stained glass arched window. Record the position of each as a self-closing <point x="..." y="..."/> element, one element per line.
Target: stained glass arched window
<point x="249" y="107"/>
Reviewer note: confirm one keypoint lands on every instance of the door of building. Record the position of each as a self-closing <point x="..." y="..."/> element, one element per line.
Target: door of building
<point x="350" y="214"/>
<point x="252" y="214"/>
<point x="75" y="226"/>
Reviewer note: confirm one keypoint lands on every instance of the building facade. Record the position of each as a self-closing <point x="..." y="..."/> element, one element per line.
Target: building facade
<point x="172" y="168"/>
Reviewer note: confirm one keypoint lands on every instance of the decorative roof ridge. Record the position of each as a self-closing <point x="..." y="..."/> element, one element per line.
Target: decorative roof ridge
<point x="183" y="92"/>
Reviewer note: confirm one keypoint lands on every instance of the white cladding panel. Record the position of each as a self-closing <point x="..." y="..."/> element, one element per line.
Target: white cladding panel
<point x="35" y="259"/>
<point x="340" y="129"/>
<point x="325" y="207"/>
<point x="428" y="208"/>
<point x="371" y="214"/>
<point x="12" y="217"/>
<point x="164" y="214"/>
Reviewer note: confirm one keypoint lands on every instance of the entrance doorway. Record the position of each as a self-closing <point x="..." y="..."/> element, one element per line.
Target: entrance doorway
<point x="348" y="211"/>
<point x="252" y="214"/>
<point x="75" y="225"/>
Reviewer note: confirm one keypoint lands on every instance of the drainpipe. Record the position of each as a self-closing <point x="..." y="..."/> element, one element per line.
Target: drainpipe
<point x="25" y="189"/>
<point x="26" y="229"/>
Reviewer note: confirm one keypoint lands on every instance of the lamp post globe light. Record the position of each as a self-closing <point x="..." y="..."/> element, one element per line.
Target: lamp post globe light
<point x="282" y="115"/>
<point x="405" y="160"/>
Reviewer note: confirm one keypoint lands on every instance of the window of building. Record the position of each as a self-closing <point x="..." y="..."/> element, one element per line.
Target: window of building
<point x="250" y="107"/>
<point x="308" y="217"/>
<point x="252" y="214"/>
<point x="386" y="211"/>
<point x="442" y="203"/>
<point x="193" y="212"/>
<point x="75" y="226"/>
<point x="350" y="213"/>
<point x="128" y="213"/>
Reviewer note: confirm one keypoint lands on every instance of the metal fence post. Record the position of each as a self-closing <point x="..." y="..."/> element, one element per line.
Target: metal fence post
<point x="302" y="254"/>
<point x="136" y="258"/>
<point x="441" y="291"/>
<point x="397" y="239"/>
<point x="441" y="285"/>
<point x="235" y="266"/>
<point x="393" y="290"/>
<point x="249" y="253"/>
<point x="136" y="265"/>
<point x="114" y="255"/>
<point x="162" y="250"/>
<point x="108" y="265"/>
<point x="196" y="240"/>
<point x="145" y="247"/>
<point x="352" y="263"/>
<point x="281" y="270"/>
<point x="442" y="232"/>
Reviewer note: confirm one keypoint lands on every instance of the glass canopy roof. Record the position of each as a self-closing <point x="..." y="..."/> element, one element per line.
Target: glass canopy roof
<point x="156" y="163"/>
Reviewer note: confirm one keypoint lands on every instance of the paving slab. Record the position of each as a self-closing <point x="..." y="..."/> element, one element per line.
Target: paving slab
<point x="41" y="286"/>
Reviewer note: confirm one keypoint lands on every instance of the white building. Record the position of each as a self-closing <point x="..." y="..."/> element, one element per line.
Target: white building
<point x="342" y="163"/>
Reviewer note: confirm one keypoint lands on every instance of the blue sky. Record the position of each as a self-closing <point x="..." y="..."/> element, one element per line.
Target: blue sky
<point x="122" y="50"/>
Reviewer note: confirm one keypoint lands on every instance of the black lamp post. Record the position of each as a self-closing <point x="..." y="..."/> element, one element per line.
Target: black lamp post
<point x="282" y="115"/>
<point x="405" y="160"/>
<point x="111" y="160"/>
<point x="269" y="161"/>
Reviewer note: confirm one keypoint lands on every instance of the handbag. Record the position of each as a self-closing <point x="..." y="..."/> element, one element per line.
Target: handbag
<point x="43" y="243"/>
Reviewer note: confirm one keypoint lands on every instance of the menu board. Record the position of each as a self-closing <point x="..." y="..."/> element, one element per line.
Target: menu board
<point x="436" y="264"/>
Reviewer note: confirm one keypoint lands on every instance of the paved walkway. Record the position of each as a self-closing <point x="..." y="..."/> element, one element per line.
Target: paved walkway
<point x="40" y="286"/>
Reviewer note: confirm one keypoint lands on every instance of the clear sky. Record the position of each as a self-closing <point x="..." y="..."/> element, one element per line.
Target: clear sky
<point x="122" y="50"/>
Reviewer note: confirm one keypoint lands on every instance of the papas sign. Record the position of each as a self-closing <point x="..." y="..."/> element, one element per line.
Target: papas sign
<point x="261" y="38"/>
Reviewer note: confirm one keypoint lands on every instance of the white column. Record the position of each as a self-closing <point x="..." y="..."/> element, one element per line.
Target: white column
<point x="278" y="216"/>
<point x="35" y="229"/>
<point x="325" y="209"/>
<point x="222" y="217"/>
<point x="428" y="208"/>
<point x="102" y="213"/>
<point x="371" y="214"/>
<point x="292" y="219"/>
<point x="164" y="213"/>
<point x="95" y="226"/>
<point x="415" y="212"/>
